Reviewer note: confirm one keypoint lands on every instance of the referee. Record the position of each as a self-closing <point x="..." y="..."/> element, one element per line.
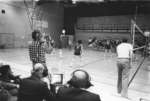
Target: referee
<point x="124" y="55"/>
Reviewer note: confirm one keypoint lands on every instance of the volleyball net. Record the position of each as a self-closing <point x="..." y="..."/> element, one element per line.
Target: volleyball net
<point x="140" y="43"/>
<point x="139" y="39"/>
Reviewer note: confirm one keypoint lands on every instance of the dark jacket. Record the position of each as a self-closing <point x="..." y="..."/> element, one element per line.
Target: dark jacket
<point x="76" y="94"/>
<point x="33" y="89"/>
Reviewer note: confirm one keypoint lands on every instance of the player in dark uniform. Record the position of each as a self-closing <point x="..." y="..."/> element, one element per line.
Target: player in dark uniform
<point x="78" y="48"/>
<point x="77" y="59"/>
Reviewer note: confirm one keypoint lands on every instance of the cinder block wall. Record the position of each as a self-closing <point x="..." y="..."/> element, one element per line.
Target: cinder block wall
<point x="15" y="22"/>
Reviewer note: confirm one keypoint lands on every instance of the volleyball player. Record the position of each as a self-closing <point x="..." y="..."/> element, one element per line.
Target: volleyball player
<point x="78" y="49"/>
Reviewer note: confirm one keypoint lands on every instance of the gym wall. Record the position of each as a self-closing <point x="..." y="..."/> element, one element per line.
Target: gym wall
<point x="15" y="22"/>
<point x="106" y="27"/>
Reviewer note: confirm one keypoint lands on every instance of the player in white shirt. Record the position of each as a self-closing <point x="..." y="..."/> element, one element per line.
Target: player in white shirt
<point x="124" y="55"/>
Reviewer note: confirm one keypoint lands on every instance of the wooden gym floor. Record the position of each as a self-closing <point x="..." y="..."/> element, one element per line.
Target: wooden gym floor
<point x="100" y="65"/>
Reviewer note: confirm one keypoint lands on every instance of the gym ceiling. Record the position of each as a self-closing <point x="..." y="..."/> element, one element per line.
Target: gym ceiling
<point x="102" y="7"/>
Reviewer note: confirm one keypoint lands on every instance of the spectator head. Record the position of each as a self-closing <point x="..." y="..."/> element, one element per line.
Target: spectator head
<point x="79" y="41"/>
<point x="80" y="79"/>
<point x="4" y="95"/>
<point x="124" y="40"/>
<point x="36" y="35"/>
<point x="4" y="70"/>
<point x="38" y="70"/>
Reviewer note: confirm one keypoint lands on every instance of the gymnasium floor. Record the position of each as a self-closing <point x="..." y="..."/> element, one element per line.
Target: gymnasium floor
<point x="101" y="66"/>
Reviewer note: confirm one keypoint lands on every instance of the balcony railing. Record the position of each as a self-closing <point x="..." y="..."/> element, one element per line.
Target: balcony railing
<point x="107" y="28"/>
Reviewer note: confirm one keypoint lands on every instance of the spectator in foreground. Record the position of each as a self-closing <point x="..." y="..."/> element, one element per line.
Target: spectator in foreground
<point x="8" y="81"/>
<point x="33" y="88"/>
<point x="76" y="91"/>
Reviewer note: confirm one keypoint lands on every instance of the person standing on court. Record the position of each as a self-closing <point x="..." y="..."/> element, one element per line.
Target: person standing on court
<point x="124" y="55"/>
<point x="37" y="49"/>
<point x="78" y="50"/>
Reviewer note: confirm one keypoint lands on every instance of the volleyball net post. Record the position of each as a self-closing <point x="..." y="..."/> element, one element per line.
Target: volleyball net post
<point x="140" y="43"/>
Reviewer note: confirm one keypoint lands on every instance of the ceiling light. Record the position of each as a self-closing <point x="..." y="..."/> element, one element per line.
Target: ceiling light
<point x="74" y="1"/>
<point x="100" y="0"/>
<point x="36" y="0"/>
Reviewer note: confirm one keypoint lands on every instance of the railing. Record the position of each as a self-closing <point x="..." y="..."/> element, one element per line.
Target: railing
<point x="107" y="27"/>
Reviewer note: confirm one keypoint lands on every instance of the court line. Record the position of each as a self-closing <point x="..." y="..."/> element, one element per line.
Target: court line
<point x="92" y="62"/>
